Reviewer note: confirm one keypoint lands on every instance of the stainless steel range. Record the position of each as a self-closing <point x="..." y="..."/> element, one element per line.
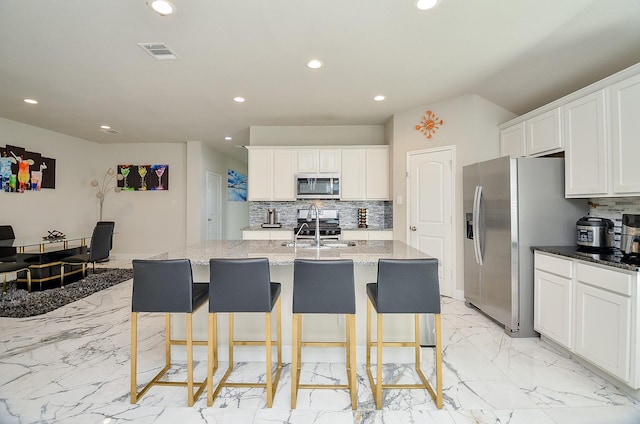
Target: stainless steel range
<point x="328" y="224"/>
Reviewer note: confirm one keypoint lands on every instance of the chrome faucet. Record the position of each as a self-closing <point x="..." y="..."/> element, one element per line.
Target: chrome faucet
<point x="310" y="216"/>
<point x="295" y="238"/>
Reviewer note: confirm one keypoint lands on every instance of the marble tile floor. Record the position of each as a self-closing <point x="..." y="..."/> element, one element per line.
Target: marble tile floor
<point x="72" y="366"/>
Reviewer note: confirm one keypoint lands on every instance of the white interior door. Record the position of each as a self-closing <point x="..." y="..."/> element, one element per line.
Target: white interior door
<point x="430" y="207"/>
<point x="214" y="216"/>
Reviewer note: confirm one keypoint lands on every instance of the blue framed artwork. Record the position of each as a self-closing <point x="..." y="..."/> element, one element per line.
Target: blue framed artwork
<point x="237" y="186"/>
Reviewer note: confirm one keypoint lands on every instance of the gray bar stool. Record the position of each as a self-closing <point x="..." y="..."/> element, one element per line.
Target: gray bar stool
<point x="166" y="286"/>
<point x="243" y="285"/>
<point x="404" y="286"/>
<point x="323" y="287"/>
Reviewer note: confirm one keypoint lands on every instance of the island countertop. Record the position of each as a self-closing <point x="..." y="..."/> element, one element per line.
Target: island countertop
<point x="365" y="252"/>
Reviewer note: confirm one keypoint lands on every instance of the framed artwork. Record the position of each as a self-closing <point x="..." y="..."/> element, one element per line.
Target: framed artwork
<point x="21" y="170"/>
<point x="144" y="177"/>
<point x="237" y="186"/>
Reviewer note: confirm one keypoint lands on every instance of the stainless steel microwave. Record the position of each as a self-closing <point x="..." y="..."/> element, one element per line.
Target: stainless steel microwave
<point x="318" y="186"/>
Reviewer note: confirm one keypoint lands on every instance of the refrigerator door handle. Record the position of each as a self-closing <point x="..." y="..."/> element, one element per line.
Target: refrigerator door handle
<point x="476" y="227"/>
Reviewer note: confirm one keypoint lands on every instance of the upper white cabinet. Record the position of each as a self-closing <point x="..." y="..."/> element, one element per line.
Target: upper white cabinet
<point x="512" y="141"/>
<point x="586" y="155"/>
<point x="271" y="174"/>
<point x="598" y="127"/>
<point x="539" y="135"/>
<point x="625" y="136"/>
<point x="365" y="173"/>
<point x="319" y="160"/>
<point x="284" y="172"/>
<point x="543" y="133"/>
<point x="260" y="174"/>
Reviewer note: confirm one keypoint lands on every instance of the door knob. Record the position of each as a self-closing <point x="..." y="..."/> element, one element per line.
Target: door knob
<point x="413" y="228"/>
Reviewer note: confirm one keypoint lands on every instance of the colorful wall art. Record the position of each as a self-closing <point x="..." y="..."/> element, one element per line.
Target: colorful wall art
<point x="144" y="177"/>
<point x="22" y="171"/>
<point x="237" y="186"/>
<point x="429" y="124"/>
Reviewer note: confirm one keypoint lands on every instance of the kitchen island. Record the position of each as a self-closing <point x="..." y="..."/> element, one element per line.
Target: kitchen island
<point x="365" y="255"/>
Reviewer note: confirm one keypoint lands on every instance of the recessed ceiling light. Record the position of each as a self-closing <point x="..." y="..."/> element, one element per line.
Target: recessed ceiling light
<point x="426" y="4"/>
<point x="162" y="7"/>
<point x="238" y="99"/>
<point x="105" y="127"/>
<point x="378" y="98"/>
<point x="228" y="138"/>
<point x="31" y="101"/>
<point x="314" y="64"/>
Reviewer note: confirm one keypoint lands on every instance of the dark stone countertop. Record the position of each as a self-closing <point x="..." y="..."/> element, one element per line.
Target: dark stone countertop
<point x="613" y="258"/>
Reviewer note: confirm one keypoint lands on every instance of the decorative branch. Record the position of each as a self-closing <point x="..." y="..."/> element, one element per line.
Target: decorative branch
<point x="107" y="186"/>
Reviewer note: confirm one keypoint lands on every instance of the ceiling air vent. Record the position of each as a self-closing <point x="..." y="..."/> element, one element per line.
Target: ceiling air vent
<point x="159" y="51"/>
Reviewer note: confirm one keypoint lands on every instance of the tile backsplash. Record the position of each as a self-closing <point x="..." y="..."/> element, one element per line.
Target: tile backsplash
<point x="379" y="213"/>
<point x="613" y="208"/>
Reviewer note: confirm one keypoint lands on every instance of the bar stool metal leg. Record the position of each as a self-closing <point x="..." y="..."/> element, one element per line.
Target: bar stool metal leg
<point x="377" y="384"/>
<point x="271" y="382"/>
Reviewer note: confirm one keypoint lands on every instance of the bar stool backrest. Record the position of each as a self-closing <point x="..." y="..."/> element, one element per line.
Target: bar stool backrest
<point x="162" y="286"/>
<point x="408" y="286"/>
<point x="7" y="254"/>
<point x="323" y="286"/>
<point x="100" y="243"/>
<point x="239" y="285"/>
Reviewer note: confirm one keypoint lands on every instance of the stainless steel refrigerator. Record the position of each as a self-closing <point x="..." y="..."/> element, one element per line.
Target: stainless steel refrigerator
<point x="510" y="205"/>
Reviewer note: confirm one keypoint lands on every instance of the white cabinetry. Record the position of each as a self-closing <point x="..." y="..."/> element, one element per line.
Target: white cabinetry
<point x="365" y="174"/>
<point x="319" y="160"/>
<point x="367" y="235"/>
<point x="603" y="318"/>
<point x="544" y="133"/>
<point x="512" y="141"/>
<point x="267" y="235"/>
<point x="260" y="174"/>
<point x="553" y="298"/>
<point x="591" y="310"/>
<point x="538" y="135"/>
<point x="625" y="136"/>
<point x="586" y="155"/>
<point x="271" y="174"/>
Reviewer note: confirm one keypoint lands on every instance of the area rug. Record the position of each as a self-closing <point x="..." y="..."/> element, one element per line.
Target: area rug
<point x="19" y="303"/>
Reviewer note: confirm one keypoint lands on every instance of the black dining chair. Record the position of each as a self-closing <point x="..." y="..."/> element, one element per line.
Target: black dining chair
<point x="7" y="254"/>
<point x="98" y="250"/>
<point x="323" y="287"/>
<point x="112" y="226"/>
<point x="238" y="286"/>
<point x="166" y="286"/>
<point x="404" y="286"/>
<point x="8" y="259"/>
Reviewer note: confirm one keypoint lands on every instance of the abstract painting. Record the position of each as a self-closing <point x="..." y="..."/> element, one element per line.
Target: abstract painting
<point x="237" y="186"/>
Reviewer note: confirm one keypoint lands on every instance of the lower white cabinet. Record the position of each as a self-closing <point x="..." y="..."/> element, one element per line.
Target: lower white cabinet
<point x="267" y="235"/>
<point x="553" y="299"/>
<point x="603" y="319"/>
<point x="367" y="235"/>
<point x="591" y="310"/>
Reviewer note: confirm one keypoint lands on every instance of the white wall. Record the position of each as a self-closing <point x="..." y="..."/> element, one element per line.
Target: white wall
<point x="72" y="206"/>
<point x="470" y="123"/>
<point x="235" y="215"/>
<point x="147" y="223"/>
<point x="339" y="135"/>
